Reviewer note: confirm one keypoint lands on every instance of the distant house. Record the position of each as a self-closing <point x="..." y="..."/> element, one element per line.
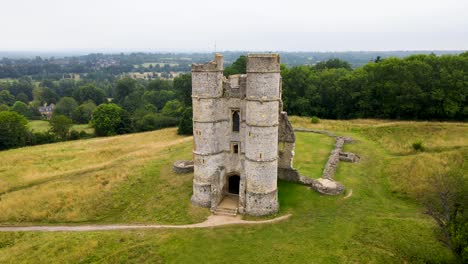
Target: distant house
<point x="46" y="110"/>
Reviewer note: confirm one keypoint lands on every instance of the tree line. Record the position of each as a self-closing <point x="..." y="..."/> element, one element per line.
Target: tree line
<point x="416" y="87"/>
<point x="125" y="106"/>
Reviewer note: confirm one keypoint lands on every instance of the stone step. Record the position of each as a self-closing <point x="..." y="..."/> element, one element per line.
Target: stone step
<point x="225" y="211"/>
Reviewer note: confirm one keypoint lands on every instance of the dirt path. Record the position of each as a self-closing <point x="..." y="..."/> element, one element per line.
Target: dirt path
<point x="212" y="221"/>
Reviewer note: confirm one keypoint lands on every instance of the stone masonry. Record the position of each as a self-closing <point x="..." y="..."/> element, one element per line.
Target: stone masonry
<point x="242" y="138"/>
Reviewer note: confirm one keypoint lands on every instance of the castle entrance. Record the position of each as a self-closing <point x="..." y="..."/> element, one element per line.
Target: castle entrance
<point x="233" y="184"/>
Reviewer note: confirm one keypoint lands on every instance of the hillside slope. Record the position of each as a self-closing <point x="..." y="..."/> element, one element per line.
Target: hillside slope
<point x="129" y="179"/>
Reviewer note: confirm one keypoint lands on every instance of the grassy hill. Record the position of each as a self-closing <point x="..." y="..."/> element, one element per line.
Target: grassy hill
<point x="128" y="179"/>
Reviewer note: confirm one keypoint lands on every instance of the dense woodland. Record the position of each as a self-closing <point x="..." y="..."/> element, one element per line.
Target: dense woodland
<point x="419" y="87"/>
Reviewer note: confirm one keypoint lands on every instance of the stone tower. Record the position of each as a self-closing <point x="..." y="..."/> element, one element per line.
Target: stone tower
<point x="237" y="125"/>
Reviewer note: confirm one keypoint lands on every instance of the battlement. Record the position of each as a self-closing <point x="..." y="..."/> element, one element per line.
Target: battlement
<point x="263" y="63"/>
<point x="212" y="66"/>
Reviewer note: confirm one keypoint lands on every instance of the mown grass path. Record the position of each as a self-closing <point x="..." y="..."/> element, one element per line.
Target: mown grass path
<point x="211" y="221"/>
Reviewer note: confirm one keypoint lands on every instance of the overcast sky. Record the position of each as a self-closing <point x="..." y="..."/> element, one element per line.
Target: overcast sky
<point x="184" y="25"/>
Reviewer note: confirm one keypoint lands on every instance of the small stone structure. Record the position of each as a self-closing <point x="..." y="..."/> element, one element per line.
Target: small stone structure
<point x="241" y="135"/>
<point x="349" y="157"/>
<point x="183" y="166"/>
<point x="326" y="184"/>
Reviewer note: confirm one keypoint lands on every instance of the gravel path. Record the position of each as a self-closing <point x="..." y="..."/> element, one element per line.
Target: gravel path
<point x="212" y="221"/>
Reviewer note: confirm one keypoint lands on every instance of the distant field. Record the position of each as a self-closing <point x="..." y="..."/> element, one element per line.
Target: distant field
<point x="43" y="126"/>
<point x="150" y="75"/>
<point x="161" y="64"/>
<point x="129" y="179"/>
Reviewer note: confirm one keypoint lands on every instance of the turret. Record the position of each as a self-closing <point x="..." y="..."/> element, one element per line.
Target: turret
<point x="261" y="148"/>
<point x="207" y="89"/>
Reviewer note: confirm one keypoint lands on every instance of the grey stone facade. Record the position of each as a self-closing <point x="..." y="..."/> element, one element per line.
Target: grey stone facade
<point x="241" y="135"/>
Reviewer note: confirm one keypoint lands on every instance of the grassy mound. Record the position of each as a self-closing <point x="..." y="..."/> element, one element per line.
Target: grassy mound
<point x="129" y="179"/>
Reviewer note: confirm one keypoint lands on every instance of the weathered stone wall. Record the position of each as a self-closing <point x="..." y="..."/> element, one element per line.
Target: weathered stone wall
<point x="261" y="148"/>
<point x="207" y="86"/>
<point x="287" y="139"/>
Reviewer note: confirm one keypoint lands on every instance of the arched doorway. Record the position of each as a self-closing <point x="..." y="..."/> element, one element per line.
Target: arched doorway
<point x="233" y="184"/>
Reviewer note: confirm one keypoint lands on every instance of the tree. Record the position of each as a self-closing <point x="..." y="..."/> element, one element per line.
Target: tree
<point x="183" y="88"/>
<point x="158" y="85"/>
<point x="123" y="88"/>
<point x="83" y="113"/>
<point x="22" y="109"/>
<point x="186" y="123"/>
<point x="6" y="97"/>
<point x="238" y="67"/>
<point x="440" y="184"/>
<point x="23" y="85"/>
<point x="49" y="96"/>
<point x="173" y="108"/>
<point x="333" y="64"/>
<point x="90" y="92"/>
<point x="22" y="97"/>
<point x="159" y="99"/>
<point x="4" y="107"/>
<point x="110" y="119"/>
<point x="60" y="126"/>
<point x="13" y="130"/>
<point x="66" y="106"/>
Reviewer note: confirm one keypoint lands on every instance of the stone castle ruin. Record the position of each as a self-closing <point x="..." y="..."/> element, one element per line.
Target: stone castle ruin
<point x="242" y="138"/>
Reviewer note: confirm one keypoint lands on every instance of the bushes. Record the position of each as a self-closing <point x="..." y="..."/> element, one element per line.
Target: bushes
<point x="39" y="138"/>
<point x="418" y="146"/>
<point x="315" y="120"/>
<point x="155" y="121"/>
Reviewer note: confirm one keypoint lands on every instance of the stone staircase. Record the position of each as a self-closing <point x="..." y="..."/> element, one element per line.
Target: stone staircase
<point x="225" y="211"/>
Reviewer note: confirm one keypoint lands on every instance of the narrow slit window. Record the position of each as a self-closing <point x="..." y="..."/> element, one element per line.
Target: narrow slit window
<point x="235" y="148"/>
<point x="235" y="121"/>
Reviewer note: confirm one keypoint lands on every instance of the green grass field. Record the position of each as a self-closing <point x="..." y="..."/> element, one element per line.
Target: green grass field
<point x="128" y="179"/>
<point x="43" y="126"/>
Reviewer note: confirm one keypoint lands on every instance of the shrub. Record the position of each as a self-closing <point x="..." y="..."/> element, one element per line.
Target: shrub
<point x="418" y="146"/>
<point x="39" y="138"/>
<point x="84" y="135"/>
<point x="315" y="120"/>
<point x="74" y="135"/>
<point x="155" y="121"/>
